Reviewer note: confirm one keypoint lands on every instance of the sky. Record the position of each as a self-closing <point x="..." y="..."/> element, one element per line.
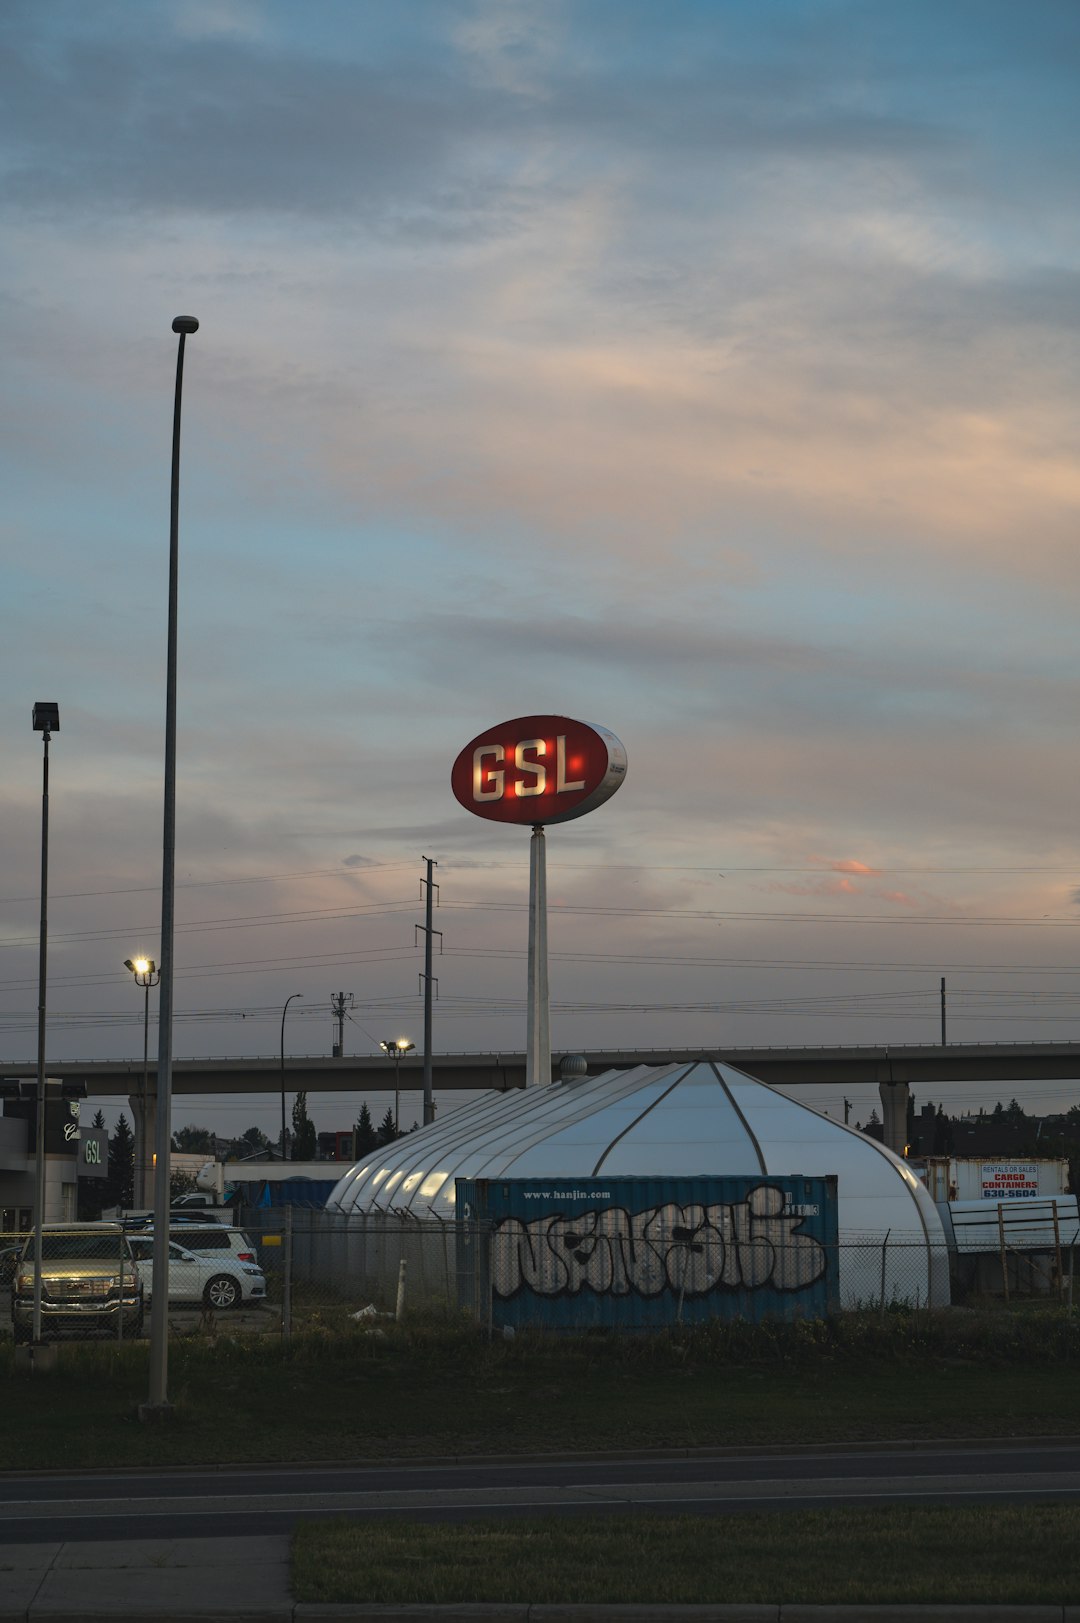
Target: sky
<point x="706" y="371"/>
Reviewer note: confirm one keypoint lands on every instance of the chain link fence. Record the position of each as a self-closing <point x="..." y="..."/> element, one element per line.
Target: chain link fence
<point x="87" y="1283"/>
<point x="283" y="1270"/>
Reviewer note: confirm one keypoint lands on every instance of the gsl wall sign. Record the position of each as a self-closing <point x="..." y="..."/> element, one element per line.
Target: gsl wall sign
<point x="538" y="769"/>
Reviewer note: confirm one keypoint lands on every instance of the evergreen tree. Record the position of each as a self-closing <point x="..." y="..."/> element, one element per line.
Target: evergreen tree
<point x="943" y="1133"/>
<point x="120" y="1184"/>
<point x="304" y="1141"/>
<point x="99" y="1119"/>
<point x="387" y="1131"/>
<point x="365" y="1136"/>
<point x="192" y="1140"/>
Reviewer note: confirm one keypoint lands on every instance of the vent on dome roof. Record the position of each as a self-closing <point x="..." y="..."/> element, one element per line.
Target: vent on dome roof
<point x="573" y="1067"/>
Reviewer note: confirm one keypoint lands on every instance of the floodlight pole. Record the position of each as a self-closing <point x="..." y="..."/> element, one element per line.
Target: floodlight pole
<point x="46" y="717"/>
<point x="538" y="1016"/>
<point x="143" y="970"/>
<point x="159" y="1308"/>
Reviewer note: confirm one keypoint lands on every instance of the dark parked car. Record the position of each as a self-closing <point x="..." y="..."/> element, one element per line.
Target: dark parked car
<point x="9" y="1256"/>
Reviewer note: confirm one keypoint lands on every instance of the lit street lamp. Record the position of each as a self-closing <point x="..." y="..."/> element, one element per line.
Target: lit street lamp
<point x="396" y="1048"/>
<point x="284" y="1012"/>
<point x="144" y="971"/>
<point x="158" y="1403"/>
<point x="46" y="722"/>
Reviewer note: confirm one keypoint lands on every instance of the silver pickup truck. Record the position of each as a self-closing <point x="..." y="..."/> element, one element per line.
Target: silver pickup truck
<point x="89" y="1283"/>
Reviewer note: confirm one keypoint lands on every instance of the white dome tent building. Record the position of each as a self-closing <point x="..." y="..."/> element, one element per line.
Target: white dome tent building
<point x="691" y="1119"/>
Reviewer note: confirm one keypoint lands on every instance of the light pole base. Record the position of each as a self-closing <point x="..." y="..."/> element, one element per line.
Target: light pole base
<point x="156" y="1411"/>
<point x="37" y="1357"/>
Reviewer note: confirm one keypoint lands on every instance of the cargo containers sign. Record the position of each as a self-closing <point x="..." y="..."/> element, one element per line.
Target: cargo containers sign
<point x="1009" y="1180"/>
<point x="538" y="769"/>
<point x="641" y="1252"/>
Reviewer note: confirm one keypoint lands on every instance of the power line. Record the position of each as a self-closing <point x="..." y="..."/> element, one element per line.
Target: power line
<point x="200" y="884"/>
<point x="248" y="921"/>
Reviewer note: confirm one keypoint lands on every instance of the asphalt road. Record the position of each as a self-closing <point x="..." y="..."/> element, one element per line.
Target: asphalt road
<point x="232" y="1501"/>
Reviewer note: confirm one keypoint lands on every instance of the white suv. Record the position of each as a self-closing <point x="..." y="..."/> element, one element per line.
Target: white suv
<point x="217" y="1277"/>
<point x="214" y="1239"/>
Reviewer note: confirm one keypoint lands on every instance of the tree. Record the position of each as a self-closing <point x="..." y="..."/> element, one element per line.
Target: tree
<point x="120" y="1184"/>
<point x="192" y="1140"/>
<point x="943" y="1134"/>
<point x="387" y="1131"/>
<point x="304" y="1138"/>
<point x="365" y="1137"/>
<point x="99" y="1119"/>
<point x="254" y="1138"/>
<point x="180" y="1183"/>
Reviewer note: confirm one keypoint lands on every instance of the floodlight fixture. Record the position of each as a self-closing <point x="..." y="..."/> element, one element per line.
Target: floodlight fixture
<point x="46" y="717"/>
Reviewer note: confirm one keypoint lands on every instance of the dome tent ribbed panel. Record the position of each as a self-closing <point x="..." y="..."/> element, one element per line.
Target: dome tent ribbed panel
<point x="686" y="1119"/>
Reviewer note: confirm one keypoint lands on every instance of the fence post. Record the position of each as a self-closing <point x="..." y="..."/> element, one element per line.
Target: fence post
<point x="399" y="1310"/>
<point x="1004" y="1253"/>
<point x="120" y="1315"/>
<point x="286" y="1283"/>
<point x="1057" y="1251"/>
<point x="884" y="1248"/>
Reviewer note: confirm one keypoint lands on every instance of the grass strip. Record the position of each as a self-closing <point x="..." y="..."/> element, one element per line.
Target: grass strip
<point x="998" y="1555"/>
<point x="421" y="1390"/>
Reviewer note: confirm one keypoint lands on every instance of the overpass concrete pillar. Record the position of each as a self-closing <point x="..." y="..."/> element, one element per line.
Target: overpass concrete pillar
<point x="894" y="1106"/>
<point x="144" y="1118"/>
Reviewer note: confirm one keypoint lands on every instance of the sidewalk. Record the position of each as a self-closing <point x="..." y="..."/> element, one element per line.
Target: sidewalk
<point x="246" y="1580"/>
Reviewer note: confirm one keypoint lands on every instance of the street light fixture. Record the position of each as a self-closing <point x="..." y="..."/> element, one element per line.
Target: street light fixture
<point x="46" y="718"/>
<point x="158" y="1404"/>
<point x="397" y="1048"/>
<point x="145" y="973"/>
<point x="284" y="1012"/>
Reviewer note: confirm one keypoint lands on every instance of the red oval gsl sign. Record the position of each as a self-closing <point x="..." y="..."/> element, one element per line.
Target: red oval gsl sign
<point x="538" y="769"/>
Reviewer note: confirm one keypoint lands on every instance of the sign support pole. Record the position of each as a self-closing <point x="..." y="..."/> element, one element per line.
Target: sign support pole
<point x="538" y="1022"/>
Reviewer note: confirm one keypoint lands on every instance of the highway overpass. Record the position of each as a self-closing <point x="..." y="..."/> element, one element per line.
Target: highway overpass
<point x="844" y="1066"/>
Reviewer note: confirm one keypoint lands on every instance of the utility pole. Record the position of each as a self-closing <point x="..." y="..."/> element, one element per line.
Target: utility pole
<point x="339" y="1003"/>
<point x="847" y="1110"/>
<point x="943" y="1043"/>
<point x="431" y="891"/>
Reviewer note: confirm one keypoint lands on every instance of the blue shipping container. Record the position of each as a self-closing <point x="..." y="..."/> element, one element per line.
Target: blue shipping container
<point x="642" y="1253"/>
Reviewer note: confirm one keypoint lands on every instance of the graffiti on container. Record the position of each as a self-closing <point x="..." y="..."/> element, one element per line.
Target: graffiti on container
<point x="690" y="1249"/>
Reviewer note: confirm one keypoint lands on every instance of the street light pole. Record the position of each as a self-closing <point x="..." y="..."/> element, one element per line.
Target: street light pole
<point x="143" y="970"/>
<point x="46" y="718"/>
<point x="159" y="1307"/>
<point x="284" y="1012"/>
<point x="396" y="1047"/>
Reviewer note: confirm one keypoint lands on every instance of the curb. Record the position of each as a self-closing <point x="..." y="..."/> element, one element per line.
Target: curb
<point x="524" y="1612"/>
<point x="734" y="1612"/>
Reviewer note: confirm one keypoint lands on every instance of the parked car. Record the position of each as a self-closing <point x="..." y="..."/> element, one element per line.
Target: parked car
<point x="9" y="1257"/>
<point x="209" y="1238"/>
<point x="89" y="1282"/>
<point x="218" y="1279"/>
